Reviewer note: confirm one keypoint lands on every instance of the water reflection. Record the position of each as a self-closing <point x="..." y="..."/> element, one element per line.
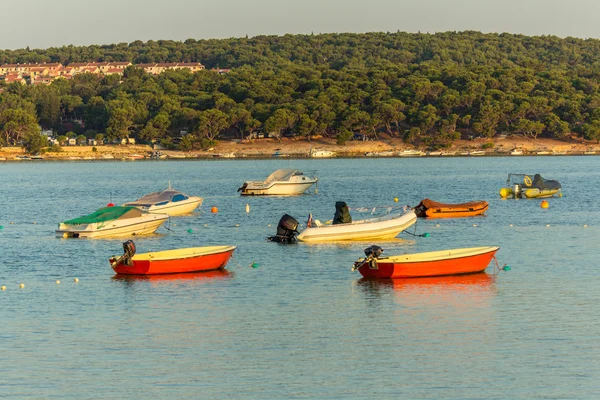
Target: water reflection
<point x="457" y="289"/>
<point x="203" y="277"/>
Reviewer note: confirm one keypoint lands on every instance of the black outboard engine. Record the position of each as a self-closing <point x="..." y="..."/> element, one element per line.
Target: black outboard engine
<point x="372" y="253"/>
<point x="128" y="253"/>
<point x="287" y="229"/>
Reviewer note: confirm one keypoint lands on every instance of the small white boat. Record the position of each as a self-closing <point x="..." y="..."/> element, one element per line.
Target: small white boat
<point x="477" y="153"/>
<point x="228" y="155"/>
<point x="176" y="156"/>
<point x="380" y="228"/>
<point x="388" y="153"/>
<point x="134" y="157"/>
<point x="108" y="156"/>
<point x="158" y="155"/>
<point x="168" y="201"/>
<point x="36" y="158"/>
<point x="543" y="153"/>
<point x="281" y="182"/>
<point x="516" y="152"/>
<point x="316" y="153"/>
<point x="112" y="222"/>
<point x="411" y="153"/>
<point x="448" y="153"/>
<point x="589" y="152"/>
<point x="434" y="153"/>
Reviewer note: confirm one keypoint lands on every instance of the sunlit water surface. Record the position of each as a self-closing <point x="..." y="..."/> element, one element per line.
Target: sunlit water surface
<point x="301" y="325"/>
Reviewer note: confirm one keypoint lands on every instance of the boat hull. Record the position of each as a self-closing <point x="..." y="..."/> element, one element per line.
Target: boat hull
<point x="146" y="226"/>
<point x="374" y="229"/>
<point x="178" y="261"/>
<point x="437" y="263"/>
<point x="172" y="208"/>
<point x="278" y="189"/>
<point x="431" y="209"/>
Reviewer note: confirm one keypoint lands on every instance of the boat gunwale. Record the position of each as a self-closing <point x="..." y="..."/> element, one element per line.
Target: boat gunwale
<point x="207" y="252"/>
<point x="440" y="255"/>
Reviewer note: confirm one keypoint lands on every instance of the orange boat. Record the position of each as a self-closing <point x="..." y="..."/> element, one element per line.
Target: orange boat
<point x="435" y="263"/>
<point x="193" y="259"/>
<point x="432" y="209"/>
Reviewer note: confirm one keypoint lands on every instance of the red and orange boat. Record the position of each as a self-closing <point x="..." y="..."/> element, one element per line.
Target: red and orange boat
<point x="432" y="209"/>
<point x="177" y="261"/>
<point x="435" y="263"/>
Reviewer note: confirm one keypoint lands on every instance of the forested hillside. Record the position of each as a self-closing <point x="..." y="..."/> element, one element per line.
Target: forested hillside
<point x="421" y="87"/>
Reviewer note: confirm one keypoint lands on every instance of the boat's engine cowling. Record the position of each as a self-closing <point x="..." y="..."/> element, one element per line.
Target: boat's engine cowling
<point x="128" y="252"/>
<point x="287" y="229"/>
<point x="373" y="251"/>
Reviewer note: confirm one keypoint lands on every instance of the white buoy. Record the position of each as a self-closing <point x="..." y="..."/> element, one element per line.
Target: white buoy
<point x="437" y="225"/>
<point x="511" y="225"/>
<point x="475" y="225"/>
<point x="57" y="282"/>
<point x="247" y="208"/>
<point x="547" y="225"/>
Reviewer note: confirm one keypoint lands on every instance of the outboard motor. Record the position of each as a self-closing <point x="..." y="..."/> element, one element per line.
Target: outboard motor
<point x="128" y="253"/>
<point x="287" y="229"/>
<point x="372" y="253"/>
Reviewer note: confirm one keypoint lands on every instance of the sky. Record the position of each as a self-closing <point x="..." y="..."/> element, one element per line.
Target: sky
<point x="52" y="23"/>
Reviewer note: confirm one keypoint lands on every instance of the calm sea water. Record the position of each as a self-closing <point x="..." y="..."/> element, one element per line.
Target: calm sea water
<point x="301" y="325"/>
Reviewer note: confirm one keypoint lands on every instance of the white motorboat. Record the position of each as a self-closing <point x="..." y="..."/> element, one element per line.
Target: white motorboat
<point x="516" y="152"/>
<point x="112" y="222"/>
<point x="168" y="201"/>
<point x="379" y="228"/>
<point x="316" y="153"/>
<point x="411" y="153"/>
<point x="281" y="182"/>
<point x="477" y="153"/>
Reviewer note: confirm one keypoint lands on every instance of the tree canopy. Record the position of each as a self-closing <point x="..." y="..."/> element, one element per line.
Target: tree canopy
<point x="427" y="87"/>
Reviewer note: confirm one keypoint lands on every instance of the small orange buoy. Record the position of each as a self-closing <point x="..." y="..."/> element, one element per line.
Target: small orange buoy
<point x="545" y="204"/>
<point x="214" y="209"/>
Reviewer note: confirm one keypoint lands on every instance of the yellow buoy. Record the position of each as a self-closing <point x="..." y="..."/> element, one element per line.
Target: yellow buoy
<point x="76" y="280"/>
<point x="475" y="225"/>
<point x="560" y="195"/>
<point x="214" y="209"/>
<point x="22" y="285"/>
<point x="545" y="204"/>
<point x="65" y="235"/>
<point x="505" y="192"/>
<point x="395" y="199"/>
<point x="247" y="208"/>
<point x="57" y="282"/>
<point x="3" y="287"/>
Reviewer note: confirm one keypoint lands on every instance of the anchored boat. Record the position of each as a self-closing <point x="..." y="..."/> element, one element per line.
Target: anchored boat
<point x="432" y="209"/>
<point x="168" y="201"/>
<point x="194" y="259"/>
<point x="281" y="182"/>
<point x="343" y="228"/>
<point x="434" y="263"/>
<point x="523" y="186"/>
<point x="112" y="222"/>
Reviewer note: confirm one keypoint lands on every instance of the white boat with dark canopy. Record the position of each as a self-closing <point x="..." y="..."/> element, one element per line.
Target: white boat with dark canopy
<point x="344" y="229"/>
<point x="112" y="222"/>
<point x="283" y="182"/>
<point x="169" y="201"/>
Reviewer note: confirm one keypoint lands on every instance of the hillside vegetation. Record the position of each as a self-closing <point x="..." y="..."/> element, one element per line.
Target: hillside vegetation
<point x="424" y="88"/>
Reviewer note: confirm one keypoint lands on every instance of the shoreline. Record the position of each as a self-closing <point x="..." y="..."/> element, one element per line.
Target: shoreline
<point x="300" y="149"/>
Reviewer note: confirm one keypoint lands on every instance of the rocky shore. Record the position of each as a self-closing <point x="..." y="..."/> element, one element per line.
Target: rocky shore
<point x="268" y="148"/>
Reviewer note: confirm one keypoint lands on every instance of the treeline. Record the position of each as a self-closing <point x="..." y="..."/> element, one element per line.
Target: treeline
<point x="426" y="88"/>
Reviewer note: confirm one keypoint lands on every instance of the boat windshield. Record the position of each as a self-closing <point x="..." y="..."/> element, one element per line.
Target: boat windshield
<point x="282" y="175"/>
